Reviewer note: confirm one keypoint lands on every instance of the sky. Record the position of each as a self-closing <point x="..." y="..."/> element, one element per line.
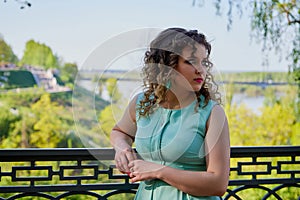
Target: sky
<point x="75" y="29"/>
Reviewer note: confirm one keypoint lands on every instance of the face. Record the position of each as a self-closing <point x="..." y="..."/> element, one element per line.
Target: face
<point x="191" y="68"/>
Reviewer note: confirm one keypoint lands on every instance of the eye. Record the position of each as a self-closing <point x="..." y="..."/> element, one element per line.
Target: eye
<point x="190" y="62"/>
<point x="206" y="63"/>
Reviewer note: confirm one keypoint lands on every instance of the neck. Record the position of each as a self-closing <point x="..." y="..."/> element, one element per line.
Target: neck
<point x="176" y="100"/>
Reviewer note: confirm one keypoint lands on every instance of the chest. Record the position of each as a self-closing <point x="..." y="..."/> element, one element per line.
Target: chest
<point x="171" y="135"/>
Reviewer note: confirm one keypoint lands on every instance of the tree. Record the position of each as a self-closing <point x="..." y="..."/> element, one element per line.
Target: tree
<point x="68" y="73"/>
<point x="38" y="55"/>
<point x="243" y="125"/>
<point x="112" y="88"/>
<point x="108" y="118"/>
<point x="275" y="24"/>
<point x="6" y="53"/>
<point x="276" y="124"/>
<point x="49" y="128"/>
<point x="6" y="118"/>
<point x="21" y="129"/>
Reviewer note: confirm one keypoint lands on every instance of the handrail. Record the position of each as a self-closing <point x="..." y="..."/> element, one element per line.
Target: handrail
<point x="86" y="171"/>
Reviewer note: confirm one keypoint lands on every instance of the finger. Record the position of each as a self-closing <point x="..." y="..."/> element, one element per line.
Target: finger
<point x="131" y="164"/>
<point x="127" y="170"/>
<point x="131" y="175"/>
<point x="128" y="173"/>
<point x="125" y="158"/>
<point x="124" y="164"/>
<point x="130" y="156"/>
<point x="134" y="179"/>
<point x="121" y="162"/>
<point x="134" y="155"/>
<point x="130" y="153"/>
<point x="119" y="165"/>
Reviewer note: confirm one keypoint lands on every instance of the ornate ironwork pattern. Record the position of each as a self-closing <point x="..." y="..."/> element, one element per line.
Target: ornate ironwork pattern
<point x="268" y="169"/>
<point x="61" y="173"/>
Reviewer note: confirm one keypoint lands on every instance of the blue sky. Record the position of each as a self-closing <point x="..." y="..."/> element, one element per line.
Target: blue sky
<point x="74" y="29"/>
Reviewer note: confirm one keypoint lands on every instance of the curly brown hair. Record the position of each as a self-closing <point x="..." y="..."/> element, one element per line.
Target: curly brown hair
<point x="162" y="56"/>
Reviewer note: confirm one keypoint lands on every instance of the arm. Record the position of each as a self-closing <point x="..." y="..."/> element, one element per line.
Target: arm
<point x="214" y="181"/>
<point x="122" y="137"/>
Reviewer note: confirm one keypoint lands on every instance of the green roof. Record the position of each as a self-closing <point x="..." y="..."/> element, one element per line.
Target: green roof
<point x="17" y="79"/>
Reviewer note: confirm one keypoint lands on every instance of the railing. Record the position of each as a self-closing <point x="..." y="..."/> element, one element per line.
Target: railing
<point x="274" y="172"/>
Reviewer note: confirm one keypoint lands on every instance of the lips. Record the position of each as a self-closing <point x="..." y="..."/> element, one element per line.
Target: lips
<point x="198" y="80"/>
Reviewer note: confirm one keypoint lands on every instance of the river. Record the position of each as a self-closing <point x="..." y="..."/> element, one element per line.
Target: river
<point x="129" y="88"/>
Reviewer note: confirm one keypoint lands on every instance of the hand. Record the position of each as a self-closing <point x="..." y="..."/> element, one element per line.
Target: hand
<point x="143" y="170"/>
<point x="122" y="159"/>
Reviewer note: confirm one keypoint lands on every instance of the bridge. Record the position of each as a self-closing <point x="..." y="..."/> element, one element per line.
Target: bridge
<point x="256" y="83"/>
<point x="262" y="84"/>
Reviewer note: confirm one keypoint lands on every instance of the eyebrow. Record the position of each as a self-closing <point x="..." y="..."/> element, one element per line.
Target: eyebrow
<point x="194" y="57"/>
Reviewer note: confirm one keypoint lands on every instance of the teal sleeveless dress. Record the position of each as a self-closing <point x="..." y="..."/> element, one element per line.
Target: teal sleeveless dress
<point x="173" y="138"/>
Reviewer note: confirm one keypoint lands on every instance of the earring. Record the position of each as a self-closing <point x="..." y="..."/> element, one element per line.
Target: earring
<point x="168" y="84"/>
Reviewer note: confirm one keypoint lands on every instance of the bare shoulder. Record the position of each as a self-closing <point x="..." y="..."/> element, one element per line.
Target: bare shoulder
<point x="217" y="117"/>
<point x="127" y="124"/>
<point x="218" y="110"/>
<point x="131" y="109"/>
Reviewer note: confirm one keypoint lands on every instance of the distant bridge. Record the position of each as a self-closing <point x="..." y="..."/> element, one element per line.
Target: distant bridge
<point x="256" y="83"/>
<point x="262" y="84"/>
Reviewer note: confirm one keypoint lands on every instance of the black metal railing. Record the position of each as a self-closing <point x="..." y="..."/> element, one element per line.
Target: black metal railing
<point x="258" y="172"/>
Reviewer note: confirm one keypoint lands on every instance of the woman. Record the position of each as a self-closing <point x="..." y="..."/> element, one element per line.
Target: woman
<point x="177" y="124"/>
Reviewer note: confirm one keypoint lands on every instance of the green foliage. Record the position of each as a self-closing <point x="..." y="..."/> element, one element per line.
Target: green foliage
<point x="270" y="96"/>
<point x="101" y="85"/>
<point x="7" y="117"/>
<point x="21" y="99"/>
<point x="256" y="76"/>
<point x="48" y="129"/>
<point x="17" y="136"/>
<point x="37" y="54"/>
<point x="62" y="98"/>
<point x="242" y="125"/>
<point x="277" y="123"/>
<point x="101" y="178"/>
<point x="68" y="73"/>
<point x="252" y="90"/>
<point x="229" y="93"/>
<point x="113" y="92"/>
<point x="45" y="120"/>
<point x="80" y="96"/>
<point x="108" y="118"/>
<point x="35" y="119"/>
<point x="6" y="53"/>
<point x="275" y="24"/>
<point x="289" y="193"/>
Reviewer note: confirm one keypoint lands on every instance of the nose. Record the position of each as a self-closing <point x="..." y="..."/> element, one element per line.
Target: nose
<point x="199" y="69"/>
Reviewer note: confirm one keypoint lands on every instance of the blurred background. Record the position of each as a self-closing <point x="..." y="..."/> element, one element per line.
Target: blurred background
<point x="55" y="93"/>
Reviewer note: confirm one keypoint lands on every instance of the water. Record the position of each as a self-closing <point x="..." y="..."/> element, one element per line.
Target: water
<point x="254" y="103"/>
<point x="128" y="90"/>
